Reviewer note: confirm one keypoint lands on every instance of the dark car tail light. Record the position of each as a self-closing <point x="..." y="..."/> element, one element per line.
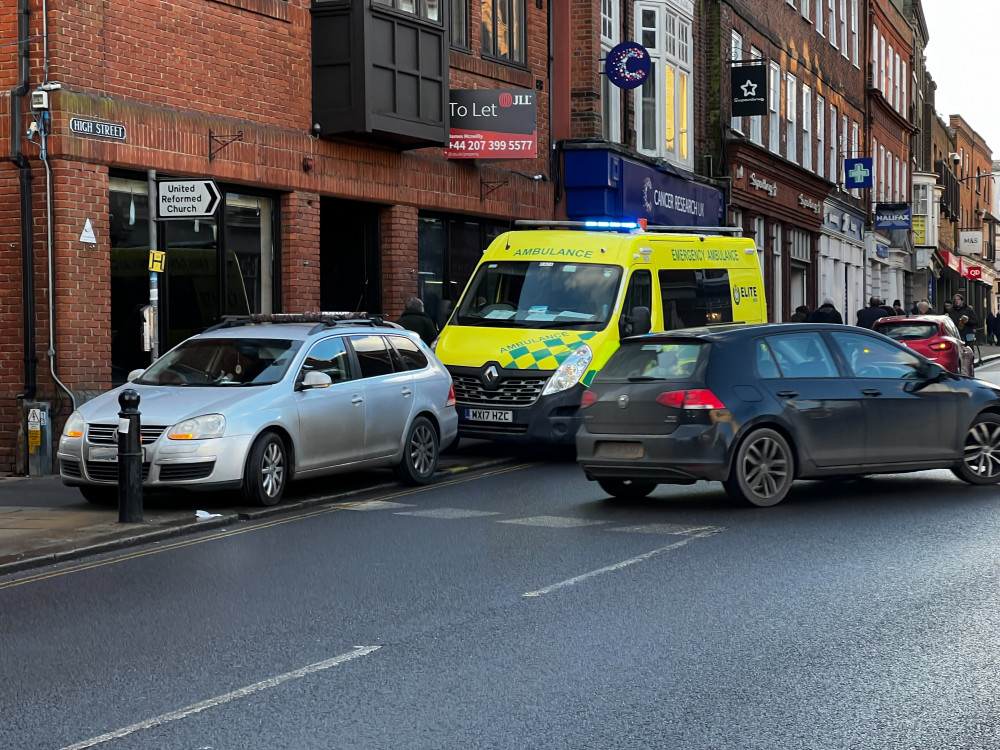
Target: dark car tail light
<point x="587" y="399"/>
<point x="699" y="398"/>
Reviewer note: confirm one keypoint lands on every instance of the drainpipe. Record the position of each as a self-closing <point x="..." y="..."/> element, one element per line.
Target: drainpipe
<point x="27" y="235"/>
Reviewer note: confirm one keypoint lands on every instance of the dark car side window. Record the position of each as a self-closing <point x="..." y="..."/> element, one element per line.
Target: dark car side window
<point x="373" y="357"/>
<point x="413" y="358"/>
<point x="868" y="357"/>
<point x="329" y="356"/>
<point x="799" y="355"/>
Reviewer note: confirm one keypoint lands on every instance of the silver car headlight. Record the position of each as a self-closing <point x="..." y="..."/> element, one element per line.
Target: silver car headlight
<point x="198" y="428"/>
<point x="570" y="371"/>
<point x="75" y="426"/>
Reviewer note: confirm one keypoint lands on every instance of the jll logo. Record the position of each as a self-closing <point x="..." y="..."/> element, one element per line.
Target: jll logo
<point x="514" y="100"/>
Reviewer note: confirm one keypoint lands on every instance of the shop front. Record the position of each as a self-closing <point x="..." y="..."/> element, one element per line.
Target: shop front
<point x="782" y="208"/>
<point x="842" y="257"/>
<point x="602" y="183"/>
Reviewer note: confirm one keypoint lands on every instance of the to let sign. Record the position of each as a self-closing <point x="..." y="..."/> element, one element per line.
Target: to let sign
<point x="186" y="199"/>
<point x="492" y="124"/>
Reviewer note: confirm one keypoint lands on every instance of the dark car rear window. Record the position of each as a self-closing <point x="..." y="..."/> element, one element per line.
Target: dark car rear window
<point x="908" y="330"/>
<point x="659" y="360"/>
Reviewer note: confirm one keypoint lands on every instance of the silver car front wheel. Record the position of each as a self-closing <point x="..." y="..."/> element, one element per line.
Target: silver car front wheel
<point x="266" y="471"/>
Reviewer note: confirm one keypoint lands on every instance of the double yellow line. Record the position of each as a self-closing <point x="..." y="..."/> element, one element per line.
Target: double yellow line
<point x="228" y="533"/>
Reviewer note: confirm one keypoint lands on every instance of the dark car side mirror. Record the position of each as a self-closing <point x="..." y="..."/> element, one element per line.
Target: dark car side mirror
<point x="925" y="375"/>
<point x="636" y="324"/>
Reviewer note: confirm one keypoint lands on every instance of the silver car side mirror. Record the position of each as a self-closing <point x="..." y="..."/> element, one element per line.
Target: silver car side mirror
<point x="135" y="374"/>
<point x="314" y="379"/>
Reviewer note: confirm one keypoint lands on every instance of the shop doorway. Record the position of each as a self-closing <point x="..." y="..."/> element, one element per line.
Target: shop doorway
<point x="350" y="256"/>
<point x="222" y="265"/>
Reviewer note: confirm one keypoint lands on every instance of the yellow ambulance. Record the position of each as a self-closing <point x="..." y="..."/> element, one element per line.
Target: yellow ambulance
<point x="546" y="308"/>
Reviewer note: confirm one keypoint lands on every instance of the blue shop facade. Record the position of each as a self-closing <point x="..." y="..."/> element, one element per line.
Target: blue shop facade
<point x="602" y="183"/>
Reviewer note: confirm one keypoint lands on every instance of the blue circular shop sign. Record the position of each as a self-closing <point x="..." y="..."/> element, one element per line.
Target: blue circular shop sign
<point x="627" y="65"/>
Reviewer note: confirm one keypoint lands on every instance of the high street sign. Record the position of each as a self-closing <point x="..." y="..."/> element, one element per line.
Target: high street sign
<point x="186" y="199"/>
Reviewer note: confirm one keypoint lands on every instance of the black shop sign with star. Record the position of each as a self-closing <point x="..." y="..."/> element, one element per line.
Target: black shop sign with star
<point x="748" y="84"/>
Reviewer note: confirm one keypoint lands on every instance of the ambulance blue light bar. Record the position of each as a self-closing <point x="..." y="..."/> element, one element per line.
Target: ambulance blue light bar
<point x="602" y="224"/>
<point x="605" y="224"/>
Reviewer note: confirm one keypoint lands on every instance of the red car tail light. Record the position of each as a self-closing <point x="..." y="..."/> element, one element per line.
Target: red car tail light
<point x="587" y="399"/>
<point x="451" y="396"/>
<point x="700" y="398"/>
<point x="941" y="346"/>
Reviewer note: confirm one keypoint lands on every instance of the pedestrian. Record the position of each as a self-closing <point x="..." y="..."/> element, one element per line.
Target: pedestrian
<point x="415" y="319"/>
<point x="965" y="318"/>
<point x="924" y="308"/>
<point x="991" y="324"/>
<point x="898" y="308"/>
<point x="825" y="313"/>
<point x="996" y="329"/>
<point x="800" y="314"/>
<point x="868" y="315"/>
<point x="947" y="307"/>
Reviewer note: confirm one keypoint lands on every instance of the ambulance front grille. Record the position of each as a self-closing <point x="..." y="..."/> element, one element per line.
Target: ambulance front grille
<point x="511" y="391"/>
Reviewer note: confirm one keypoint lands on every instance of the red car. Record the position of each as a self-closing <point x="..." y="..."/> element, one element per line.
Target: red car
<point x="934" y="336"/>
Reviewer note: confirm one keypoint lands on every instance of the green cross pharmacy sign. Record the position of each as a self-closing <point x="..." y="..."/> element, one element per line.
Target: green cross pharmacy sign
<point x="858" y="173"/>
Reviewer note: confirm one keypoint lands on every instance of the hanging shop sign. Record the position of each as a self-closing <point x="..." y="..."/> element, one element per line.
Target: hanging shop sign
<point x="627" y="65"/>
<point x="858" y="173"/>
<point x="748" y="86"/>
<point x="974" y="272"/>
<point x="970" y="242"/>
<point x="892" y="216"/>
<point x="492" y="124"/>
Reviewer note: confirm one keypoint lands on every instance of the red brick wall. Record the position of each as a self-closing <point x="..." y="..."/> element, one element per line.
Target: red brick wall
<point x="399" y="257"/>
<point x="300" y="252"/>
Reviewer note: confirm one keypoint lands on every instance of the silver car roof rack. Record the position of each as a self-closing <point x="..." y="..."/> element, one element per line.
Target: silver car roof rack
<point x="322" y="320"/>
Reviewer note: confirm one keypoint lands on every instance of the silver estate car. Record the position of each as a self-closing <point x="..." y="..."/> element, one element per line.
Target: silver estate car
<point x="254" y="403"/>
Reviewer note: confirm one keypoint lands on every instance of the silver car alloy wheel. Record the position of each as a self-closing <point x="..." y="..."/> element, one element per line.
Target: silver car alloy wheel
<point x="422" y="449"/>
<point x="982" y="450"/>
<point x="765" y="467"/>
<point x="272" y="469"/>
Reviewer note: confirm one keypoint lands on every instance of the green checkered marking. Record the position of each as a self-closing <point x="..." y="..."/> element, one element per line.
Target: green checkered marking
<point x="545" y="354"/>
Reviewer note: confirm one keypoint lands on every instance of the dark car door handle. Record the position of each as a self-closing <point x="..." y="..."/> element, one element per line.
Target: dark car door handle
<point x="788" y="394"/>
<point x="872" y="392"/>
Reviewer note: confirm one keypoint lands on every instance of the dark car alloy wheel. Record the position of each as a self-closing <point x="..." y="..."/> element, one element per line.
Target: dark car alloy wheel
<point x="420" y="453"/>
<point x="762" y="472"/>
<point x="264" y="479"/>
<point x="981" y="460"/>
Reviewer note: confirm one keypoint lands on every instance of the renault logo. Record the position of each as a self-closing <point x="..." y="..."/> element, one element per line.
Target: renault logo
<point x="491" y="376"/>
<point x="622" y="401"/>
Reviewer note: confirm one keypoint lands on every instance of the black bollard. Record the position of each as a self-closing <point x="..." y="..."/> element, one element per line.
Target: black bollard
<point x="129" y="458"/>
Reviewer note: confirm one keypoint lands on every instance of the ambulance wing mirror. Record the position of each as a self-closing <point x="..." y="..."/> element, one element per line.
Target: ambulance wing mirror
<point x="445" y="307"/>
<point x="636" y="324"/>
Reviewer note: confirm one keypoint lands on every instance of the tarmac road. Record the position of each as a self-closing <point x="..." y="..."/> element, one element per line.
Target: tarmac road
<point x="522" y="609"/>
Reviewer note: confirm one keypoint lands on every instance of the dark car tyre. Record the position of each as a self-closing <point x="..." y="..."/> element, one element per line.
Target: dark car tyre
<point x="626" y="489"/>
<point x="981" y="460"/>
<point x="266" y="471"/>
<point x="100" y="495"/>
<point x="420" y="453"/>
<point x="763" y="470"/>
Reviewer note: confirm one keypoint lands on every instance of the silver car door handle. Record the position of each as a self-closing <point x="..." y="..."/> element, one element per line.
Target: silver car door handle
<point x="407" y="392"/>
<point x="357" y="400"/>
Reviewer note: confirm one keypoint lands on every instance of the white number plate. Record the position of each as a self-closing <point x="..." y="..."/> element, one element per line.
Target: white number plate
<point x="489" y="415"/>
<point x="109" y="453"/>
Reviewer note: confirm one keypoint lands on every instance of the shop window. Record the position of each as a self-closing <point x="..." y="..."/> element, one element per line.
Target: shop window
<point x="448" y="249"/>
<point x="503" y="30"/>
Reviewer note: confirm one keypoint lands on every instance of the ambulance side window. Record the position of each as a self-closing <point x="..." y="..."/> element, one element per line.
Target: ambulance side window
<point x="639" y="292"/>
<point x="695" y="297"/>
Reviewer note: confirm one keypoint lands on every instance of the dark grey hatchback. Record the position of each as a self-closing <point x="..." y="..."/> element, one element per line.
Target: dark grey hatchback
<point x="758" y="406"/>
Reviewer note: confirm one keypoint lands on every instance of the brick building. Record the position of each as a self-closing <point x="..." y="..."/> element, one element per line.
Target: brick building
<point x="321" y="124"/>
<point x="785" y="166"/>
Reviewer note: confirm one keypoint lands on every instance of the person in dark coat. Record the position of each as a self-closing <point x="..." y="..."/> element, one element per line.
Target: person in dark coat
<point x="898" y="308"/>
<point x="825" y="313"/>
<point x="964" y="317"/>
<point x="868" y="315"/>
<point x="415" y="319"/>
<point x="800" y="315"/>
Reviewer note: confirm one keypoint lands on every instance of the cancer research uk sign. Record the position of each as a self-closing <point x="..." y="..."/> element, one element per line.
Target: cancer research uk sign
<point x="492" y="124"/>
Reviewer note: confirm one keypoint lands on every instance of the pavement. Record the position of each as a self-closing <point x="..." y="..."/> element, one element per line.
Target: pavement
<point x="43" y="522"/>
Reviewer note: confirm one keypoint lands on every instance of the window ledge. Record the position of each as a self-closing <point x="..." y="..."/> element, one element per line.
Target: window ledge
<point x="498" y="71"/>
<point x="277" y="9"/>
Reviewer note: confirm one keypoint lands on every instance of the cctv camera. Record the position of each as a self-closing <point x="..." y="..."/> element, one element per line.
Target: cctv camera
<point x="316" y="128"/>
<point x="955" y="157"/>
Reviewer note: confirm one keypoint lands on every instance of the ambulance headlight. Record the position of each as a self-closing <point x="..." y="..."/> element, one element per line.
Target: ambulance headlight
<point x="570" y="371"/>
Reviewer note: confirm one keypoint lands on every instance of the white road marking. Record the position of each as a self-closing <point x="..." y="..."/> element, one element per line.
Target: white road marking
<point x="379" y="505"/>
<point x="448" y="513"/>
<point x="664" y="528"/>
<point x="219" y="700"/>
<point x="556" y="522"/>
<point x="617" y="566"/>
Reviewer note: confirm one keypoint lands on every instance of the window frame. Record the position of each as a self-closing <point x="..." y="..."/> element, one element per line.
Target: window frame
<point x="611" y="95"/>
<point x="519" y="19"/>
